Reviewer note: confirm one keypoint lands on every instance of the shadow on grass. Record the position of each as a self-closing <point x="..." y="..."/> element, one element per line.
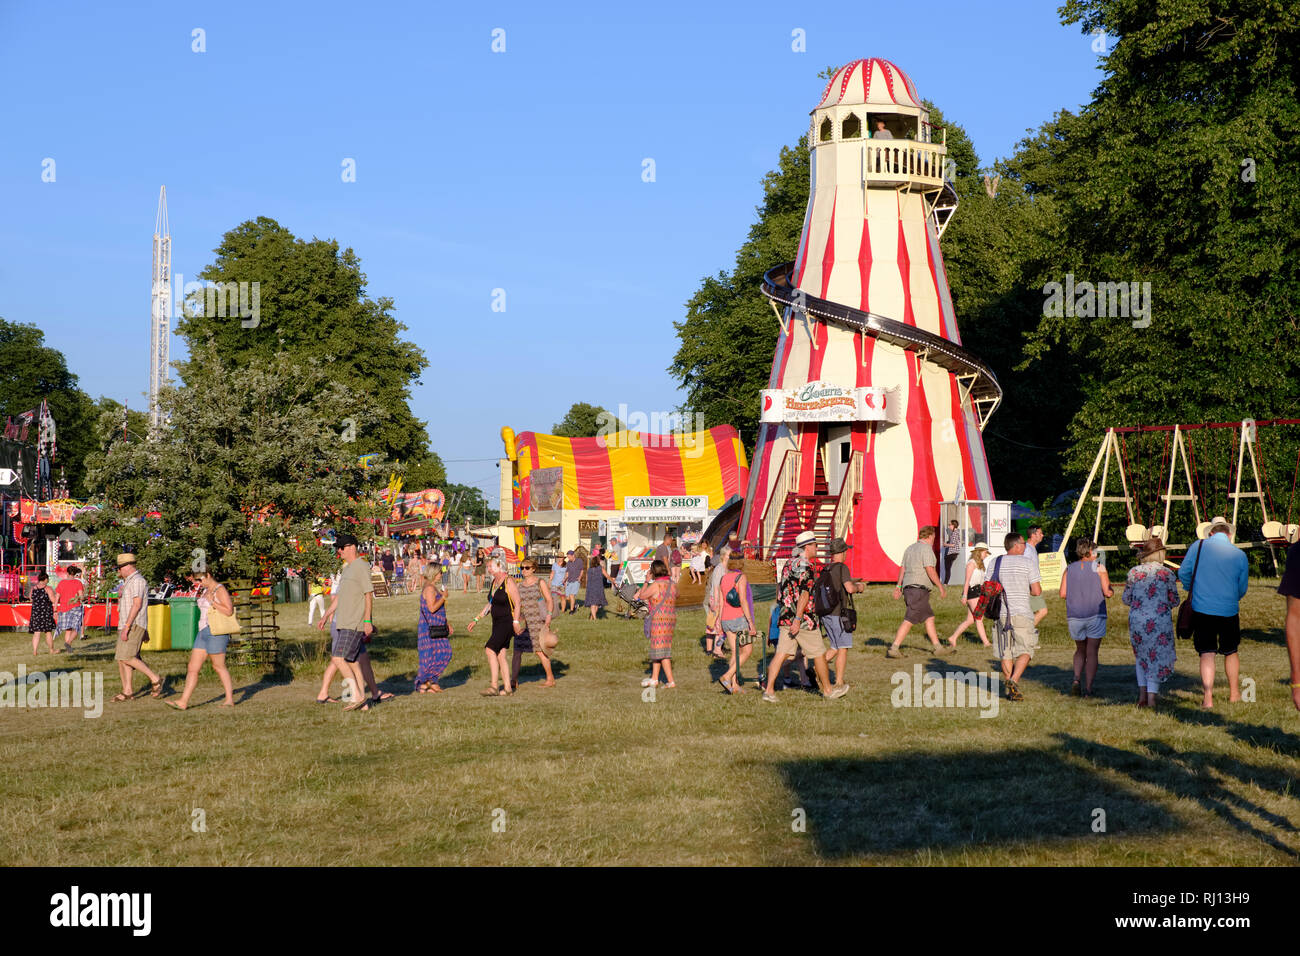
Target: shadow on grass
<point x="1254" y="735"/>
<point x="948" y="801"/>
<point x="1114" y="682"/>
<point x="1198" y="775"/>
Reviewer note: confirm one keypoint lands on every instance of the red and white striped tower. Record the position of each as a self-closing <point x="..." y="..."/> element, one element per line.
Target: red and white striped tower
<point x="867" y="316"/>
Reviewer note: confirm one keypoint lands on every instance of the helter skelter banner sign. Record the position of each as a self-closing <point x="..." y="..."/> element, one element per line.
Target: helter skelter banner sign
<point x="822" y="401"/>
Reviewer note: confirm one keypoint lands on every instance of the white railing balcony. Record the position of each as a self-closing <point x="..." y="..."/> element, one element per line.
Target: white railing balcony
<point x="891" y="162"/>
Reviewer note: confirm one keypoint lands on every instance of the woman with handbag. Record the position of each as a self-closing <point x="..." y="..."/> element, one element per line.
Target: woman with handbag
<point x="433" y="633"/>
<point x="216" y="623"/>
<point x="736" y="616"/>
<point x="503" y="605"/>
<point x="1151" y="593"/>
<point x="536" y="609"/>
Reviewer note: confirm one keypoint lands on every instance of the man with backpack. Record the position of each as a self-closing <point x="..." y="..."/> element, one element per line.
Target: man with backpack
<point x="798" y="621"/>
<point x="833" y="597"/>
<point x="1017" y="638"/>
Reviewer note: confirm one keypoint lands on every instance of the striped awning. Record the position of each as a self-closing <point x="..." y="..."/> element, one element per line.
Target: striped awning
<point x="600" y="472"/>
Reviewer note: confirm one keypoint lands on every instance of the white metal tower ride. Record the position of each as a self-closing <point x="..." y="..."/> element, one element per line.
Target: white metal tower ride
<point x="159" y="330"/>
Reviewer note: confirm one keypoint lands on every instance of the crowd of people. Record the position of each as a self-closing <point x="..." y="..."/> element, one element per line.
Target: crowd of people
<point x="811" y="627"/>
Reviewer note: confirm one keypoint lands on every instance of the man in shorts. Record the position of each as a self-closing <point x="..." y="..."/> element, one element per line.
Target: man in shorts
<point x="572" y="577"/>
<point x="1222" y="576"/>
<point x="132" y="628"/>
<point x="1290" y="587"/>
<point x="798" y="622"/>
<point x="1017" y="635"/>
<point x="839" y="640"/>
<point x="1037" y="602"/>
<point x="918" y="571"/>
<point x="351" y="612"/>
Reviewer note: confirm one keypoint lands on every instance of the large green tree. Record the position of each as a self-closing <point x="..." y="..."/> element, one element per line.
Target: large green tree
<point x="312" y="303"/>
<point x="1181" y="172"/>
<point x="255" y="464"/>
<point x="583" y="420"/>
<point x="466" y="501"/>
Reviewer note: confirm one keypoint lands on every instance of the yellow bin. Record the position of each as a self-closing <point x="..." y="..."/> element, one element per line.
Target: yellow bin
<point x="160" y="627"/>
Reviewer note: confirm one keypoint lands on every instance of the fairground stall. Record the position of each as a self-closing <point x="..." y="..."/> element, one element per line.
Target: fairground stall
<point x="624" y="491"/>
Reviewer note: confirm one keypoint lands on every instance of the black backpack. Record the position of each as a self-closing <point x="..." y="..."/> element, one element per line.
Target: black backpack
<point x="827" y="595"/>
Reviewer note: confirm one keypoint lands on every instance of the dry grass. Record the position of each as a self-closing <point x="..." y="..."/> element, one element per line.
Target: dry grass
<point x="590" y="773"/>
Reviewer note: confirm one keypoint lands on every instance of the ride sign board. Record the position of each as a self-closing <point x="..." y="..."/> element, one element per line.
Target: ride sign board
<point x="823" y="401"/>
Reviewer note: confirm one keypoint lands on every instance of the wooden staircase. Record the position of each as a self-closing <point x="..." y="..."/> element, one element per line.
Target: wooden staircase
<point x="815" y="513"/>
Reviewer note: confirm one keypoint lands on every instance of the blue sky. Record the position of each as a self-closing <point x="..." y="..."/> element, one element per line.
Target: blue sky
<point x="475" y="170"/>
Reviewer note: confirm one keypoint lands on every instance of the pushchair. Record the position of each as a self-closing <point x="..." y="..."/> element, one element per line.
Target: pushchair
<point x="626" y="592"/>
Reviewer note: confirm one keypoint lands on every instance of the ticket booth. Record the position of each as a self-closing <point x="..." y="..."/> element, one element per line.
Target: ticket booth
<point x="987" y="521"/>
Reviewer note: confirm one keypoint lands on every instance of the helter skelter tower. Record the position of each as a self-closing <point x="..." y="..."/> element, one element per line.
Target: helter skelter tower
<point x="874" y="411"/>
<point x="159" y="330"/>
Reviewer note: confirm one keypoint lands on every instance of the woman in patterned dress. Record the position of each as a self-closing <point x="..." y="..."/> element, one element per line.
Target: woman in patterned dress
<point x="660" y="592"/>
<point x="434" y="652"/>
<point x="42" y="621"/>
<point x="1151" y="593"/>
<point x="535" y="608"/>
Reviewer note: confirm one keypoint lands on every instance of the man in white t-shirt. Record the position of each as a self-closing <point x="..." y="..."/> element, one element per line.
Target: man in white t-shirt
<point x="1017" y="639"/>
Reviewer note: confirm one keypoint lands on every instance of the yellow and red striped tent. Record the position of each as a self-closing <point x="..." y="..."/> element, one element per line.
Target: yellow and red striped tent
<point x="600" y="472"/>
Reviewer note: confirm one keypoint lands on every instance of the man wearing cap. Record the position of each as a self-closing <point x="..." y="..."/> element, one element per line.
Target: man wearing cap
<point x="798" y="621"/>
<point x="1221" y="575"/>
<point x="132" y="628"/>
<point x="572" y="578"/>
<point x="351" y="613"/>
<point x="916" y="574"/>
<point x="1290" y="588"/>
<point x="837" y="638"/>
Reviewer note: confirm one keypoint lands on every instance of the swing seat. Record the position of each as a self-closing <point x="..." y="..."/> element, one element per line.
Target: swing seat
<point x="1275" y="532"/>
<point x="1136" y="533"/>
<point x="1158" y="531"/>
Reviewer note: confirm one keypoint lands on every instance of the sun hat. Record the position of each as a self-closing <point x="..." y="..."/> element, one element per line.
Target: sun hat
<point x="125" y="558"/>
<point x="1151" y="547"/>
<point x="839" y="546"/>
<point x="805" y="537"/>
<point x="981" y="546"/>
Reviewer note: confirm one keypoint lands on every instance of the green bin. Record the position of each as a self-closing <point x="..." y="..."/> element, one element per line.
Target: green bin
<point x="184" y="622"/>
<point x="297" y="590"/>
<point x="279" y="593"/>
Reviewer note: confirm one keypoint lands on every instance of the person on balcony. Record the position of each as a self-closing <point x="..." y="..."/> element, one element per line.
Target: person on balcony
<point x="881" y="132"/>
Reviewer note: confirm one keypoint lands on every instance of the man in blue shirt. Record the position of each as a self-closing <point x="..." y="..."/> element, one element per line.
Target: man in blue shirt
<point x="1221" y="579"/>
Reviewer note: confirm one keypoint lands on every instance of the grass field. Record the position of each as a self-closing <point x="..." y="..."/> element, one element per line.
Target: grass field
<point x="591" y="773"/>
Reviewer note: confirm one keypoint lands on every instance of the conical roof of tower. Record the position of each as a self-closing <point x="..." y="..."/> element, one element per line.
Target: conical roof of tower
<point x="872" y="81"/>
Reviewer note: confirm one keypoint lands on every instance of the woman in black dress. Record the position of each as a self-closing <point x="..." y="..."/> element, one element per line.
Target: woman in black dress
<point x="503" y="605"/>
<point x="42" y="613"/>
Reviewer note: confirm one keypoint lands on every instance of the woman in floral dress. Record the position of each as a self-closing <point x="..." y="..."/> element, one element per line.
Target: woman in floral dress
<point x="1151" y="593"/>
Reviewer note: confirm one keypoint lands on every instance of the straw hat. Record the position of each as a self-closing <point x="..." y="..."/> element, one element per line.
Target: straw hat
<point x="125" y="558"/>
<point x="980" y="546"/>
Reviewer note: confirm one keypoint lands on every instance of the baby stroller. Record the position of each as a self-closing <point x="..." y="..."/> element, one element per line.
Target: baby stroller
<point x="626" y="592"/>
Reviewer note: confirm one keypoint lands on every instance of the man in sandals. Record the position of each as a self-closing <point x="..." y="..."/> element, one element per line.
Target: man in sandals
<point x="798" y="621"/>
<point x="1017" y="639"/>
<point x="132" y="628"/>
